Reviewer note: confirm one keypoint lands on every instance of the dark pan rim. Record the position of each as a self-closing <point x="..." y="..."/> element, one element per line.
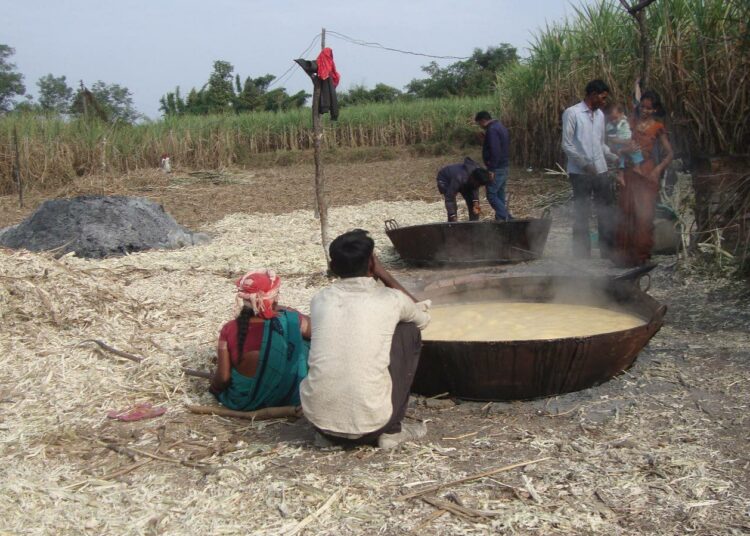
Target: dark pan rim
<point x="458" y="223"/>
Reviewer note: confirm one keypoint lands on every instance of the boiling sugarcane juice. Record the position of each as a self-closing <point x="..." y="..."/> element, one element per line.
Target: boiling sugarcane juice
<point x="522" y="321"/>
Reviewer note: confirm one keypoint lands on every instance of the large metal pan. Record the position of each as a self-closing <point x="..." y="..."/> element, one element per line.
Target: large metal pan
<point x="467" y="243"/>
<point x="508" y="370"/>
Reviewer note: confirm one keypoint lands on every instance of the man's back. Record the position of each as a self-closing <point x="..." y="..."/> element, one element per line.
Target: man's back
<point x="454" y="178"/>
<point x="496" y="145"/>
<point x="348" y="386"/>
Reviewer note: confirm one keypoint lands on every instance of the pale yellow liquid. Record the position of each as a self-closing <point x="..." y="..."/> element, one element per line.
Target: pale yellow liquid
<point x="521" y="321"/>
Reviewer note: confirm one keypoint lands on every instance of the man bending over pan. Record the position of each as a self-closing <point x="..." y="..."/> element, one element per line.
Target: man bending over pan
<point x="364" y="351"/>
<point x="465" y="179"/>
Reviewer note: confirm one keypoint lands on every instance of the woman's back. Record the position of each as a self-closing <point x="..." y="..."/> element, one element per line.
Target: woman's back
<point x="261" y="354"/>
<point x="245" y="363"/>
<point x="270" y="375"/>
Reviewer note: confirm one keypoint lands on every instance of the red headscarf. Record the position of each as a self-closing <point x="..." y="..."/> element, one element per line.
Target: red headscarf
<point x="326" y="67"/>
<point x="259" y="290"/>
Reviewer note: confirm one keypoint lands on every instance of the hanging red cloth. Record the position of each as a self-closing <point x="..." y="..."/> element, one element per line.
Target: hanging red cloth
<point x="326" y="67"/>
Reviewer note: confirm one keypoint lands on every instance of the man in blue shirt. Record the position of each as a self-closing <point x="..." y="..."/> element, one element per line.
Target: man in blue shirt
<point x="495" y="156"/>
<point x="464" y="179"/>
<point x="583" y="141"/>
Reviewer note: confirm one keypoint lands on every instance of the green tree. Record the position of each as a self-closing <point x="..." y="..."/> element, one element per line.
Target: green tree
<point x="172" y="103"/>
<point x="227" y="92"/>
<point x="467" y="78"/>
<point x="297" y="100"/>
<point x="441" y="83"/>
<point x="359" y="94"/>
<point x="384" y="93"/>
<point x="11" y="82"/>
<point x="220" y="90"/>
<point x="250" y="97"/>
<point x="196" y="103"/>
<point x="278" y="100"/>
<point x="54" y="94"/>
<point x="111" y="102"/>
<point x="117" y="99"/>
<point x="26" y="106"/>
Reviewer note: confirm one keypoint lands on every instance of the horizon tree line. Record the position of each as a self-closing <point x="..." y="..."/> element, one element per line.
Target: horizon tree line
<point x="227" y="92"/>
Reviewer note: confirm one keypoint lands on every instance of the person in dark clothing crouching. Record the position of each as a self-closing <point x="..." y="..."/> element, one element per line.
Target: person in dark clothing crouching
<point x="465" y="178"/>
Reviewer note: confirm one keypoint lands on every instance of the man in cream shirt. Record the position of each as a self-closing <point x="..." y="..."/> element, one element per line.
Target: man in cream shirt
<point x="583" y="141"/>
<point x="364" y="351"/>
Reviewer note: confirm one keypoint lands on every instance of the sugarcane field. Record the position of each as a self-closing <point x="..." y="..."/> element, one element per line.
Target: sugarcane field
<point x="511" y="298"/>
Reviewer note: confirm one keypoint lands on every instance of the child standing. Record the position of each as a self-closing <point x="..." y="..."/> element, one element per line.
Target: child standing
<point x="619" y="140"/>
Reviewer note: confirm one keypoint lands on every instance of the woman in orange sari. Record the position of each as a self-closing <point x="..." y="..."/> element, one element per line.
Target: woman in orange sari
<point x="638" y="195"/>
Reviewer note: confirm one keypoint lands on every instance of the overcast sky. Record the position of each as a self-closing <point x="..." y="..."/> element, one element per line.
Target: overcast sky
<point x="151" y="46"/>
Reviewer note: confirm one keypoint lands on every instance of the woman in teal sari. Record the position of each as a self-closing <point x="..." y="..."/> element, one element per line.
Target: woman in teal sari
<point x="261" y="354"/>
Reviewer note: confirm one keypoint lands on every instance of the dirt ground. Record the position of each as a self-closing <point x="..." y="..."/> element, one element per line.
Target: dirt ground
<point x="195" y="198"/>
<point x="659" y="450"/>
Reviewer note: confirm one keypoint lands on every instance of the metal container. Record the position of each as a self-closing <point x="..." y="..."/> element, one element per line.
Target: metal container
<point x="467" y="243"/>
<point x="508" y="370"/>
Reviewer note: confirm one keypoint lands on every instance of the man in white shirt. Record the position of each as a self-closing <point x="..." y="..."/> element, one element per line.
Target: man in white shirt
<point x="364" y="351"/>
<point x="583" y="141"/>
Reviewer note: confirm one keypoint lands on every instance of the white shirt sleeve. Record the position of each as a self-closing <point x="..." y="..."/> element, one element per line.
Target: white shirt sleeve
<point x="413" y="312"/>
<point x="568" y="137"/>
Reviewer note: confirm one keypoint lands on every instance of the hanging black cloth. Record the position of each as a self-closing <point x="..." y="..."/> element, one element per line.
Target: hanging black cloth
<point x="310" y="67"/>
<point x="327" y="101"/>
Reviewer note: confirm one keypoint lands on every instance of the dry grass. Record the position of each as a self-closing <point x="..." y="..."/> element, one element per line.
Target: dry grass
<point x="53" y="151"/>
<point x="196" y="198"/>
<point x="660" y="450"/>
<point x="699" y="65"/>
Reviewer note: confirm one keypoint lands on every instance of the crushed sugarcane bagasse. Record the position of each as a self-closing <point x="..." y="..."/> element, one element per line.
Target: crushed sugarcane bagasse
<point x="657" y="450"/>
<point x="523" y="321"/>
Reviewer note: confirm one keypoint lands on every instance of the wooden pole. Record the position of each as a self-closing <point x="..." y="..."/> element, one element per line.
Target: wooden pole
<point x="321" y="204"/>
<point x="85" y="104"/>
<point x="637" y="11"/>
<point x="17" y="166"/>
<point x="640" y="18"/>
<point x="257" y="415"/>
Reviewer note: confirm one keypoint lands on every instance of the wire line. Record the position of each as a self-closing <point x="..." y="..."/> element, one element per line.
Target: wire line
<point x="372" y="44"/>
<point x="289" y="70"/>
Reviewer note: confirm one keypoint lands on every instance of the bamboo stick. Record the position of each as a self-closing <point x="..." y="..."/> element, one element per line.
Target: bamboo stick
<point x="17" y="166"/>
<point x="317" y="513"/>
<point x="257" y="415"/>
<point x="476" y="476"/>
<point x="138" y="359"/>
